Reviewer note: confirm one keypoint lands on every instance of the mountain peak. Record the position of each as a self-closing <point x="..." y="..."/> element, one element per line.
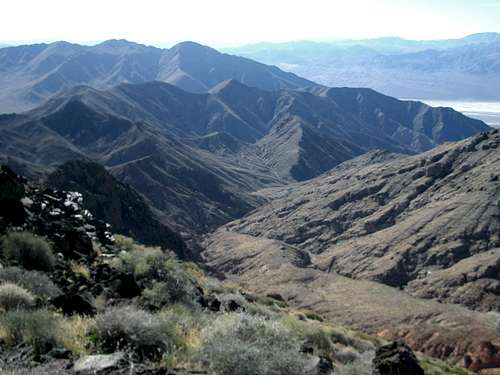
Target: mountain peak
<point x="192" y="47"/>
<point x="483" y="37"/>
<point x="120" y="46"/>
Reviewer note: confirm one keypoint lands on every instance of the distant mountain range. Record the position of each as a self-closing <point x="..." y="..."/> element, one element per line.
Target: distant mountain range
<point x="198" y="158"/>
<point x="459" y="69"/>
<point x="30" y="74"/>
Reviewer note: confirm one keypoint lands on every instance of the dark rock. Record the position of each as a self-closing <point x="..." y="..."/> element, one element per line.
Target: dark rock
<point x="59" y="353"/>
<point x="75" y="243"/>
<point x="436" y="170"/>
<point x="11" y="192"/>
<point x="325" y="366"/>
<point x="232" y="306"/>
<point x="214" y="304"/>
<point x="72" y="303"/>
<point x="396" y="359"/>
<point x="125" y="286"/>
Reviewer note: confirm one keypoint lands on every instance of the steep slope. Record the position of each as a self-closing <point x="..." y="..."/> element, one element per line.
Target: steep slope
<point x="115" y="203"/>
<point x="399" y="220"/>
<point x="194" y="190"/>
<point x="32" y="73"/>
<point x="426" y="224"/>
<point x="205" y="153"/>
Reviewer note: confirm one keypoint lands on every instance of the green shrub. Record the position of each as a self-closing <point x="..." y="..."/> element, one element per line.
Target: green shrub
<point x="188" y="323"/>
<point x="40" y="328"/>
<point x="361" y="366"/>
<point x="13" y="296"/>
<point x="169" y="281"/>
<point x="247" y="345"/>
<point x="128" y="327"/>
<point x="174" y="289"/>
<point x="28" y="250"/>
<point x="36" y="282"/>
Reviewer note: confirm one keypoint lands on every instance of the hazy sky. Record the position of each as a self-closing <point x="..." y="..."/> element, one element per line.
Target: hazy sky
<point x="233" y="22"/>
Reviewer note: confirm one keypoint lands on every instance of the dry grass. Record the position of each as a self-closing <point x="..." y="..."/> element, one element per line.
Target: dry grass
<point x="80" y="269"/>
<point x="76" y="336"/>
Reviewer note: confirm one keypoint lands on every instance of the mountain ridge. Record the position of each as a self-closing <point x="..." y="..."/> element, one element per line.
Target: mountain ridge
<point x="30" y="74"/>
<point x="219" y="147"/>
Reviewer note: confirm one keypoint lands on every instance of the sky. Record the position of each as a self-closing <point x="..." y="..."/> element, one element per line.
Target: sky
<point x="225" y="23"/>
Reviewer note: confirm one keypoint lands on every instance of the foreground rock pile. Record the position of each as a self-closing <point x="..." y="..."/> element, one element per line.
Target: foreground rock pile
<point x="58" y="215"/>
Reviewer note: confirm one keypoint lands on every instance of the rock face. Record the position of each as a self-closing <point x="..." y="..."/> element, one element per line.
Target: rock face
<point x="486" y="356"/>
<point x="116" y="203"/>
<point x="396" y="359"/>
<point x="381" y="238"/>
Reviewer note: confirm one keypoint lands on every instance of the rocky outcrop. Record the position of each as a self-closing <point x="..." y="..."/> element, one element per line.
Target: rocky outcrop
<point x="485" y="356"/>
<point x="116" y="203"/>
<point x="396" y="359"/>
<point x="59" y="215"/>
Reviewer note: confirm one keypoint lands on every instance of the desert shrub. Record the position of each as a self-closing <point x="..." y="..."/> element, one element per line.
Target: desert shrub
<point x="169" y="281"/>
<point x="312" y="333"/>
<point x="232" y="299"/>
<point x="124" y="243"/>
<point x="143" y="261"/>
<point x="246" y="345"/>
<point x="174" y="289"/>
<point x="433" y="366"/>
<point x="188" y="323"/>
<point x="40" y="328"/>
<point x="271" y="302"/>
<point x="28" y="250"/>
<point x="360" y="366"/>
<point x="36" y="282"/>
<point x="345" y="355"/>
<point x="127" y="327"/>
<point x="13" y="296"/>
